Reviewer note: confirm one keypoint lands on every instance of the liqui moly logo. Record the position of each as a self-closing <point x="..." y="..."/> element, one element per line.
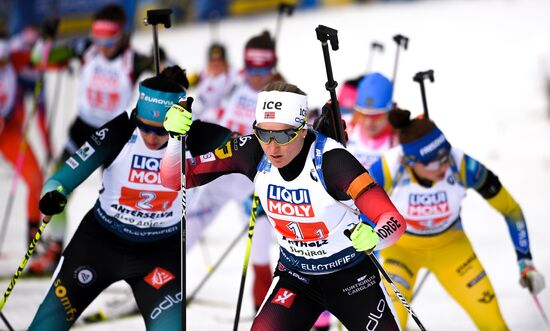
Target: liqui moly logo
<point x="433" y="204"/>
<point x="282" y="201"/>
<point x="144" y="170"/>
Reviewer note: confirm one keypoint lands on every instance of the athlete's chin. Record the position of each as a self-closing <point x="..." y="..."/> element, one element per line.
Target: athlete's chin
<point x="441" y="176"/>
<point x="278" y="162"/>
<point x="153" y="146"/>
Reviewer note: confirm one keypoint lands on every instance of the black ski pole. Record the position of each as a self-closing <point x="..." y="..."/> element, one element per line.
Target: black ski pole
<point x="326" y="35"/>
<point x="154" y="18"/>
<point x="419" y="77"/>
<point x="251" y="224"/>
<point x="284" y="9"/>
<point x="374" y="46"/>
<point x="401" y="41"/>
<point x="5" y="320"/>
<point x="396" y="290"/>
<point x="392" y="284"/>
<point x="210" y="272"/>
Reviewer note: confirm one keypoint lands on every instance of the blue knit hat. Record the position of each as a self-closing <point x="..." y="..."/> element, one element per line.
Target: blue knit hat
<point x="374" y="94"/>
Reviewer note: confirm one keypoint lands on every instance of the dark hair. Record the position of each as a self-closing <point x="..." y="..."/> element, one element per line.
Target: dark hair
<point x="216" y="50"/>
<point x="111" y="12"/>
<point x="409" y="129"/>
<point x="171" y="79"/>
<point x="263" y="41"/>
<point x="283" y="87"/>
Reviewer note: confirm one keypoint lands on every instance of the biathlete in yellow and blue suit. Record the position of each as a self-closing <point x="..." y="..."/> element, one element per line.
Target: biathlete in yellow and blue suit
<point x="427" y="179"/>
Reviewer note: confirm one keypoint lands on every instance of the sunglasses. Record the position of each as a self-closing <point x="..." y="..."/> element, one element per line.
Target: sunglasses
<point x="146" y="128"/>
<point x="263" y="71"/>
<point x="433" y="164"/>
<point x="107" y="42"/>
<point x="281" y="137"/>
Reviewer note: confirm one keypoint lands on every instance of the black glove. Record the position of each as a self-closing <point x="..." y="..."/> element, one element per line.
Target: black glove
<point x="323" y="123"/>
<point x="204" y="137"/>
<point x="49" y="28"/>
<point x="52" y="203"/>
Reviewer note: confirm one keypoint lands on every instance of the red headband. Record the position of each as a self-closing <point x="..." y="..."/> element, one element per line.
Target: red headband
<point x="105" y="29"/>
<point x="259" y="57"/>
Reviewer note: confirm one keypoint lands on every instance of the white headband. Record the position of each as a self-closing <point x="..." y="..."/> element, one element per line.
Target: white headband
<point x="281" y="107"/>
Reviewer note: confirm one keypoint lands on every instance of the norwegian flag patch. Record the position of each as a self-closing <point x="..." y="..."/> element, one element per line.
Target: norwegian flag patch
<point x="269" y="115"/>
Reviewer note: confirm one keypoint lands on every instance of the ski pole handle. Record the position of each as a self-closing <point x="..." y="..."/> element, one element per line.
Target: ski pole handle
<point x="401" y="41"/>
<point x="419" y="77"/>
<point x="373" y="47"/>
<point x="155" y="17"/>
<point x="328" y="35"/>
<point x="376" y="45"/>
<point x="283" y="9"/>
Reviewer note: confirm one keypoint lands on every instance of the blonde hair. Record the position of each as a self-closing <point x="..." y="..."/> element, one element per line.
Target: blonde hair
<point x="283" y="87"/>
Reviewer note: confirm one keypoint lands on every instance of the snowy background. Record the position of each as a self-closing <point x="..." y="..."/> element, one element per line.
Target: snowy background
<point x="488" y="98"/>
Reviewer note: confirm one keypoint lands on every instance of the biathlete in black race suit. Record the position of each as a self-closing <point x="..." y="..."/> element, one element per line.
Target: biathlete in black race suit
<point x="133" y="231"/>
<point x="311" y="189"/>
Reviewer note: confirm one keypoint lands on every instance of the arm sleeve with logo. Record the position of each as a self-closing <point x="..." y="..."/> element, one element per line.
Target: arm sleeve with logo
<point x="99" y="149"/>
<point x="239" y="155"/>
<point x="486" y="183"/>
<point x="345" y="176"/>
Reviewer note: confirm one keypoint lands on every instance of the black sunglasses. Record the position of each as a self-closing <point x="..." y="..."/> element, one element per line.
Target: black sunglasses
<point x="281" y="137"/>
<point x="157" y="130"/>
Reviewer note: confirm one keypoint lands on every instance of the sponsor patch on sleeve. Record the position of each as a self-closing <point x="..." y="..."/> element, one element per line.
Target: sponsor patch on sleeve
<point x="224" y="152"/>
<point x="72" y="163"/>
<point x="85" y="151"/>
<point x="208" y="157"/>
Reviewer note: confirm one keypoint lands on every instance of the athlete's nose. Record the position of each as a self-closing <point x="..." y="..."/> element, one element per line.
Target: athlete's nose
<point x="272" y="147"/>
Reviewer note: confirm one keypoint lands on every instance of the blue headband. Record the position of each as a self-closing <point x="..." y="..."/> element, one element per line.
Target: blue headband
<point x="152" y="104"/>
<point x="427" y="148"/>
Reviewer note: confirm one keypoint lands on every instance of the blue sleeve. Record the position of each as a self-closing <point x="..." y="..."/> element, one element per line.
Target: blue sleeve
<point x="476" y="173"/>
<point x="376" y="171"/>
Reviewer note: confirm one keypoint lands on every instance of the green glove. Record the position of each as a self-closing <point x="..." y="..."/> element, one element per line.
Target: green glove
<point x="364" y="238"/>
<point x="178" y="120"/>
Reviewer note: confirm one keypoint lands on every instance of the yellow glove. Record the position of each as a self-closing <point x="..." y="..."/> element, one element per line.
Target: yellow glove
<point x="364" y="238"/>
<point x="178" y="120"/>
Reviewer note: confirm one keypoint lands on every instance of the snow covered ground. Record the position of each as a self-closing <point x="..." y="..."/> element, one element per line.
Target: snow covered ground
<point x="487" y="97"/>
